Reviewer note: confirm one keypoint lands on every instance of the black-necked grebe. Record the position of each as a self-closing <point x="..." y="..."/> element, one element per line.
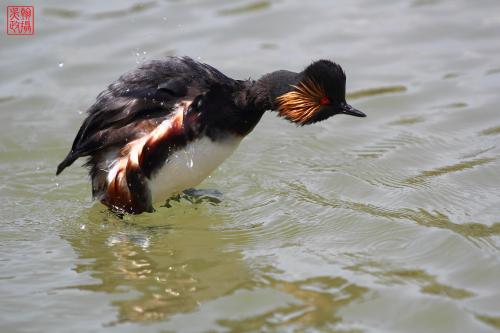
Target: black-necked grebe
<point x="165" y="126"/>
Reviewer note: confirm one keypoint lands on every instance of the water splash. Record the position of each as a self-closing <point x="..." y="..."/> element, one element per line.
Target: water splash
<point x="189" y="151"/>
<point x="140" y="56"/>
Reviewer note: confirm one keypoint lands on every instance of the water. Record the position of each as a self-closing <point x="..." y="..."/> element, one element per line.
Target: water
<point x="384" y="224"/>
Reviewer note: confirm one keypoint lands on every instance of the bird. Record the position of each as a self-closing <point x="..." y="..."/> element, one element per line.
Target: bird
<point x="168" y="124"/>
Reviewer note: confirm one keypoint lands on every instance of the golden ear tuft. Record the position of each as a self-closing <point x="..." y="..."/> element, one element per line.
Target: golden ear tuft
<point x="301" y="104"/>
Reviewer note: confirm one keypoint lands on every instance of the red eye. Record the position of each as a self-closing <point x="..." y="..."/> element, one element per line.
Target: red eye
<point x="324" y="100"/>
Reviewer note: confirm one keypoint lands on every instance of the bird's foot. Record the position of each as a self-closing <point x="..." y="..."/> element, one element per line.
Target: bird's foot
<point x="196" y="196"/>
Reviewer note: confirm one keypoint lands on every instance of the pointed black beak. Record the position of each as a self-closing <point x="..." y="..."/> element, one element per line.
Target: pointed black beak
<point x="347" y="109"/>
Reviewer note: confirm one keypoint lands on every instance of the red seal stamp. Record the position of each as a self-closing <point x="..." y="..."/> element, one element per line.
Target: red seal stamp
<point x="20" y="20"/>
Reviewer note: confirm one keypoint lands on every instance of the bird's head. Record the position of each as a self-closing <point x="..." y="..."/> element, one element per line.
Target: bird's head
<point x="319" y="95"/>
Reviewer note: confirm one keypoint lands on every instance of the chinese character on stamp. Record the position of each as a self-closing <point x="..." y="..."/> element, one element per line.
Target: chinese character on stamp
<point x="20" y="20"/>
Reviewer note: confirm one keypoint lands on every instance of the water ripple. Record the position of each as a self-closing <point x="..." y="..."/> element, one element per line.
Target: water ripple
<point x="464" y="165"/>
<point x="407" y="121"/>
<point x="421" y="216"/>
<point x="248" y="8"/>
<point x="491" y="131"/>
<point x="376" y="91"/>
<point x="493" y="321"/>
<point x="136" y="8"/>
<point x="327" y="293"/>
<point x="428" y="283"/>
<point x="386" y="145"/>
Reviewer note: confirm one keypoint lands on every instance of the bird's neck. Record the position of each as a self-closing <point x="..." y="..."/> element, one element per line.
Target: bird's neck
<point x="261" y="95"/>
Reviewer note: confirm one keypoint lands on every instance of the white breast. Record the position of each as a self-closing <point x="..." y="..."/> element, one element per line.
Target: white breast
<point x="188" y="167"/>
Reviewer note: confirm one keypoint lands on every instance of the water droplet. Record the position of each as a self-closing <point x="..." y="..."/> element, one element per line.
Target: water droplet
<point x="144" y="52"/>
<point x="189" y="155"/>
<point x="61" y="65"/>
<point x="172" y="292"/>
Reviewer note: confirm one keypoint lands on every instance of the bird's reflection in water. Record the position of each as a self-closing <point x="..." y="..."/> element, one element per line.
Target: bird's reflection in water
<point x="157" y="265"/>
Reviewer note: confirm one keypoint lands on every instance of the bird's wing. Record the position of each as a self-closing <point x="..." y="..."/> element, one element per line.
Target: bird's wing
<point x="136" y="103"/>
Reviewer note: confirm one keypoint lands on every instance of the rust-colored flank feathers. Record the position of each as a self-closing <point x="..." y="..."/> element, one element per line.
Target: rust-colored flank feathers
<point x="301" y="104"/>
<point x="132" y="161"/>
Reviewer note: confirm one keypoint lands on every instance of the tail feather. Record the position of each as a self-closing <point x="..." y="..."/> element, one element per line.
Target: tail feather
<point x="66" y="163"/>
